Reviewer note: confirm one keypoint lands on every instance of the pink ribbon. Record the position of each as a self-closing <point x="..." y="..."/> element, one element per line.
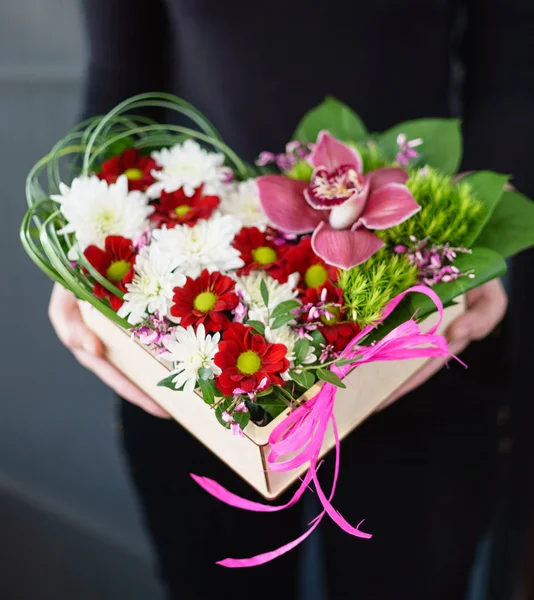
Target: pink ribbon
<point x="302" y="432"/>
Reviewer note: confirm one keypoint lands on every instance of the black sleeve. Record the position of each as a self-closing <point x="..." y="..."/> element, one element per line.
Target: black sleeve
<point x="129" y="51"/>
<point x="498" y="55"/>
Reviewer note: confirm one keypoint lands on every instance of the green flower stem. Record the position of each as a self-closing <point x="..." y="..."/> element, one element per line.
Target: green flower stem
<point x="321" y="366"/>
<point x="241" y="167"/>
<point x="69" y="280"/>
<point x="288" y="397"/>
<point x="97" y="276"/>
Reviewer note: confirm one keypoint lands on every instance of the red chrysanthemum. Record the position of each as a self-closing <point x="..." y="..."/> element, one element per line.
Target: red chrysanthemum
<point x="248" y="362"/>
<point x="318" y="295"/>
<point x="337" y="331"/>
<point x="178" y="209"/>
<point x="115" y="263"/>
<point x="206" y="300"/>
<point x="314" y="272"/>
<point x="134" y="165"/>
<point x="339" y="335"/>
<point x="261" y="253"/>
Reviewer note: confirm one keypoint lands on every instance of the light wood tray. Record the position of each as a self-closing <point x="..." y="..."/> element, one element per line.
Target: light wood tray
<point x="368" y="387"/>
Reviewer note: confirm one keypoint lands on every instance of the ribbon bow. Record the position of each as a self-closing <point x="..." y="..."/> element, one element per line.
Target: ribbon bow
<point x="301" y="433"/>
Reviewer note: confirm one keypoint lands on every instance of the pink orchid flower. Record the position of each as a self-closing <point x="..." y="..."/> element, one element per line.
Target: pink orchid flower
<point x="339" y="205"/>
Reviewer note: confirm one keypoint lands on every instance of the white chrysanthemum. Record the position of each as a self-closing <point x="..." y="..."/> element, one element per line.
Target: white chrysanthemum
<point x="187" y="166"/>
<point x="243" y="201"/>
<point x="190" y="352"/>
<point x="250" y="288"/>
<point x="285" y="335"/>
<point x="151" y="290"/>
<point x="95" y="210"/>
<point x="206" y="245"/>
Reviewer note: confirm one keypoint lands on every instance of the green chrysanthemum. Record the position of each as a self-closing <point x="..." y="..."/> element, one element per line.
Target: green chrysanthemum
<point x="367" y="288"/>
<point x="449" y="212"/>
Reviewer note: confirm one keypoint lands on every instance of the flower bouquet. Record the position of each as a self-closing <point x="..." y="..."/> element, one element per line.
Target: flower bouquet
<point x="269" y="308"/>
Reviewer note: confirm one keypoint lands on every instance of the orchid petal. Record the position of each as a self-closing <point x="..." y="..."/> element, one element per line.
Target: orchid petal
<point x="332" y="154"/>
<point x="344" y="248"/>
<point x="389" y="205"/>
<point x="343" y="216"/>
<point x="380" y="177"/>
<point x="282" y="200"/>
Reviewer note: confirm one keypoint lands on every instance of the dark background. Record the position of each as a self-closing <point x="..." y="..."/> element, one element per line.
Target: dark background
<point x="68" y="523"/>
<point x="69" y="528"/>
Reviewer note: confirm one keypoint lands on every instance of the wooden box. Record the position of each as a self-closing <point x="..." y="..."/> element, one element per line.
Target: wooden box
<point x="368" y="387"/>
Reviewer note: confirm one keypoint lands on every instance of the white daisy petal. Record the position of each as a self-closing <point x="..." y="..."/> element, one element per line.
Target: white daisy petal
<point x="191" y="351"/>
<point x="95" y="210"/>
<point x="242" y="200"/>
<point x="151" y="290"/>
<point x="206" y="245"/>
<point x="187" y="166"/>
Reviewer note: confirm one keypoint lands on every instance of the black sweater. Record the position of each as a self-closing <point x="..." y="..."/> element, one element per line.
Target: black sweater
<point x="254" y="67"/>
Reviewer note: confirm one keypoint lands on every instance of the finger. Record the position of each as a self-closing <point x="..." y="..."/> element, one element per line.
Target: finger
<point x="120" y="384"/>
<point x="430" y="368"/>
<point x="486" y="308"/>
<point x="68" y="324"/>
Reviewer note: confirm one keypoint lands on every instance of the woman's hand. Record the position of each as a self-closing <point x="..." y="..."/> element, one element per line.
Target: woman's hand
<point x="89" y="350"/>
<point x="486" y="307"/>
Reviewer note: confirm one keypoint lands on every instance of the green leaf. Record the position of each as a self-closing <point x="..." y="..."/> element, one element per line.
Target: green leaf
<point x="285" y="308"/>
<point x="486" y="264"/>
<point x="264" y="292"/>
<point x="207" y="387"/>
<point x="222" y="407"/>
<point x="510" y="227"/>
<point x="340" y="120"/>
<point x="241" y="418"/>
<point x="272" y="404"/>
<point x="281" y="321"/>
<point x="488" y="188"/>
<point x="330" y="377"/>
<point x="346" y="361"/>
<point x="118" y="147"/>
<point x="257" y="326"/>
<point x="318" y="339"/>
<point x="441" y="147"/>
<point x="301" y="350"/>
<point x="205" y="373"/>
<point x="167" y="382"/>
<point x="305" y="379"/>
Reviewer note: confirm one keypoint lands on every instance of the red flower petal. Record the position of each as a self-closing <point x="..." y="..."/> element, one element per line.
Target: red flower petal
<point x="97" y="258"/>
<point x="273" y="360"/>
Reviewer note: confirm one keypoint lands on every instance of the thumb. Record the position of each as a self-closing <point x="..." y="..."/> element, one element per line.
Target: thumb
<point x="80" y="337"/>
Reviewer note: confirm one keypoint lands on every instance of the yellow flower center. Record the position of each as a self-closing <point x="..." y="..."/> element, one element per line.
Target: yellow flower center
<point x="182" y="210"/>
<point x="333" y="315"/>
<point x="315" y="276"/>
<point x="264" y="255"/>
<point x="134" y="174"/>
<point x="248" y="363"/>
<point x="117" y="270"/>
<point x="205" y="301"/>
